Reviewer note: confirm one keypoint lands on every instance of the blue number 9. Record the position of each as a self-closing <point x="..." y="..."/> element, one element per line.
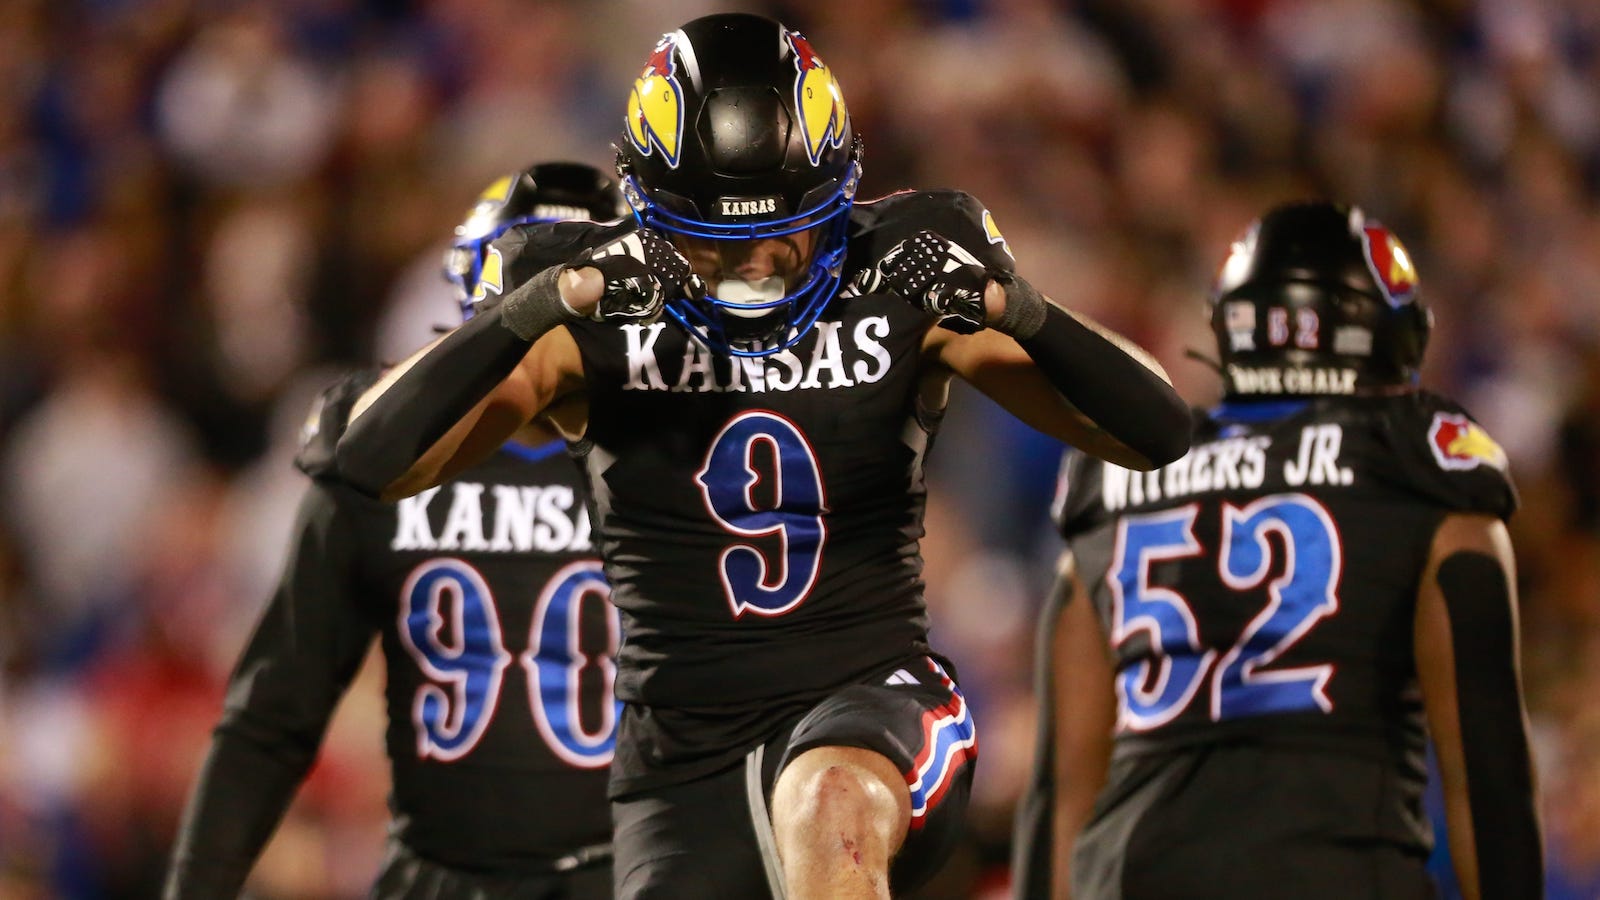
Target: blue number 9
<point x="452" y="713"/>
<point x="795" y="517"/>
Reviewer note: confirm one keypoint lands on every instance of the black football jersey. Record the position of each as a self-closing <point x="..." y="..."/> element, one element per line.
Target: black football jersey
<point x="498" y="642"/>
<point x="1263" y="587"/>
<point x="759" y="518"/>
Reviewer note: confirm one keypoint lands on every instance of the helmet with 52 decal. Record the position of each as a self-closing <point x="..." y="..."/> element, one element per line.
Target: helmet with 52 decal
<point x="545" y="192"/>
<point x="737" y="145"/>
<point x="1316" y="298"/>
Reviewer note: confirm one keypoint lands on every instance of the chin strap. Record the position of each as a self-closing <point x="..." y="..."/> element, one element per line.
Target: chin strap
<point x="1208" y="362"/>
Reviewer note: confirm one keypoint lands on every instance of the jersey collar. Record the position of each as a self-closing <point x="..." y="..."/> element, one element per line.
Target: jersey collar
<point x="531" y="454"/>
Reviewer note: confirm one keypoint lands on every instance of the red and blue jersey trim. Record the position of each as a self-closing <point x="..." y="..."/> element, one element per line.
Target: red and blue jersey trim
<point x="949" y="741"/>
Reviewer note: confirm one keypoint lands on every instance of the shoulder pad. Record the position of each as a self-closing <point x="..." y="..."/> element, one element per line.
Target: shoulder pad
<point x="955" y="215"/>
<point x="326" y="420"/>
<point x="1441" y="453"/>
<point x="526" y="250"/>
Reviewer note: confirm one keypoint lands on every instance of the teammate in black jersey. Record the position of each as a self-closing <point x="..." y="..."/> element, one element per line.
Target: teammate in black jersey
<point x="756" y="461"/>
<point x="1286" y="607"/>
<point x="497" y="638"/>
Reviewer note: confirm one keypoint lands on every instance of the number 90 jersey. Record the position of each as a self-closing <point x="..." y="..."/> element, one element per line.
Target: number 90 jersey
<point x="760" y="517"/>
<point x="498" y="642"/>
<point x="1263" y="587"/>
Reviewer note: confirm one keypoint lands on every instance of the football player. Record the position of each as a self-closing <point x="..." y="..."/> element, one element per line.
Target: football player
<point x="756" y="461"/>
<point x="497" y="636"/>
<point x="1248" y="649"/>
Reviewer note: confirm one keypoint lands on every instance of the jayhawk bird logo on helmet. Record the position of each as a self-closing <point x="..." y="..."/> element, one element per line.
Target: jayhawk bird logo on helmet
<point x="1390" y="263"/>
<point x="817" y="97"/>
<point x="655" y="108"/>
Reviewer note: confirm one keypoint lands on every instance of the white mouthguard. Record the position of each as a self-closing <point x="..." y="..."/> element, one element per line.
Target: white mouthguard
<point x="745" y="293"/>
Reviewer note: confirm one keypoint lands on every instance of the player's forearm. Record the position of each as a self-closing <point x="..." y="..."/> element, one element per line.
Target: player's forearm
<point x="1116" y="385"/>
<point x="411" y="424"/>
<point x="1498" y="768"/>
<point x="241" y="794"/>
<point x="1084" y="712"/>
<point x="1467" y="664"/>
<point x="308" y="645"/>
<point x="1491" y="822"/>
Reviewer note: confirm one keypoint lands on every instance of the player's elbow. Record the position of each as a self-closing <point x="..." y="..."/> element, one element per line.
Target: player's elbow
<point x="1163" y="435"/>
<point x="355" y="469"/>
<point x="1171" y="441"/>
<point x="407" y="485"/>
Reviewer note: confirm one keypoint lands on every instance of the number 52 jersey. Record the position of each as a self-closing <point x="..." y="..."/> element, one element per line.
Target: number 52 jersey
<point x="1263" y="588"/>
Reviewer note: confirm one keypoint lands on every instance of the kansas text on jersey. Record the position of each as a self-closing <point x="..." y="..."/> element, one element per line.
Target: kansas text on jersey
<point x="498" y="644"/>
<point x="759" y="518"/>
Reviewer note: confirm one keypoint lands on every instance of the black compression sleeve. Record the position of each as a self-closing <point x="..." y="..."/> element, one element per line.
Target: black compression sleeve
<point x="1125" y="398"/>
<point x="309" y="643"/>
<point x="241" y="795"/>
<point x="1505" y="825"/>
<point x="445" y="384"/>
<point x="1033" y="832"/>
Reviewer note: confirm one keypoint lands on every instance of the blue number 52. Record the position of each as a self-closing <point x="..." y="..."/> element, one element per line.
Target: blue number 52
<point x="1162" y="685"/>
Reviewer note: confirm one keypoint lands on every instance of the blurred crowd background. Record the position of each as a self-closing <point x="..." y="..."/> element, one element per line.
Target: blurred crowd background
<point x="209" y="208"/>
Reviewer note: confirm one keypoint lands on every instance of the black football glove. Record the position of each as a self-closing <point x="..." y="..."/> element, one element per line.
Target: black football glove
<point x="938" y="276"/>
<point x="642" y="270"/>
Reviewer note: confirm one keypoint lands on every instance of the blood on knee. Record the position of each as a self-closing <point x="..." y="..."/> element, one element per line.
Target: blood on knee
<point x="836" y="790"/>
<point x="850" y="848"/>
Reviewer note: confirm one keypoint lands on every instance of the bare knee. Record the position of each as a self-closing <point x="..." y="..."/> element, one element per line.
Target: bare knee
<point x="840" y="809"/>
<point x="826" y="788"/>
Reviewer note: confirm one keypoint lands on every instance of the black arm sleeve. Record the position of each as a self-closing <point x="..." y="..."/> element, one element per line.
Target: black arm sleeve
<point x="1494" y="744"/>
<point x="1033" y="831"/>
<point x="1125" y="398"/>
<point x="306" y="648"/>
<point x="428" y="400"/>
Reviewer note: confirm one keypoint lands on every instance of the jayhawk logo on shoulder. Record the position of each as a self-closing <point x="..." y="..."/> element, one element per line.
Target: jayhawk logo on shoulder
<point x="492" y="279"/>
<point x="817" y="97"/>
<point x="992" y="231"/>
<point x="1458" y="443"/>
<point x="655" y="108"/>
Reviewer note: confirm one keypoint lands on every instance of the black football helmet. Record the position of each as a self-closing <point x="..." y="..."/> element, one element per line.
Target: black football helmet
<point x="737" y="131"/>
<point x="546" y="192"/>
<point x="1316" y="298"/>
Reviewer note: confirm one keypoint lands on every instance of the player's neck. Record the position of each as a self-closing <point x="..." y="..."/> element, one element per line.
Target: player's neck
<point x="1258" y="410"/>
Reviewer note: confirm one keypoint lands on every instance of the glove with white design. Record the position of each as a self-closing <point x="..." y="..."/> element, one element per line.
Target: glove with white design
<point x="641" y="270"/>
<point x="940" y="277"/>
